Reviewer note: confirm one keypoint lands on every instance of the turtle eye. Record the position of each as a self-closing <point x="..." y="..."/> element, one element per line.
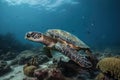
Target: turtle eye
<point x="38" y="36"/>
<point x="28" y="35"/>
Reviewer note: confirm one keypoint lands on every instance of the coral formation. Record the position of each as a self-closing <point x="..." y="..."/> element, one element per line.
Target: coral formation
<point x="49" y="74"/>
<point x="29" y="70"/>
<point x="29" y="67"/>
<point x="41" y="74"/>
<point x="110" y="66"/>
<point x="55" y="74"/>
<point x="100" y="76"/>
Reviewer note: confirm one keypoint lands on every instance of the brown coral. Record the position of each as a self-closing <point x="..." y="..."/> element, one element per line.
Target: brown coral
<point x="29" y="70"/>
<point x="100" y="76"/>
<point x="110" y="66"/>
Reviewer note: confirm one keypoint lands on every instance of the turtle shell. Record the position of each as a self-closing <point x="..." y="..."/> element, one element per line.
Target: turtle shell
<point x="64" y="35"/>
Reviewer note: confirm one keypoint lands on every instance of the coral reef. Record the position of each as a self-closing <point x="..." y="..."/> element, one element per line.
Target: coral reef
<point x="60" y="70"/>
<point x="4" y="67"/>
<point x="110" y="66"/>
<point x="51" y="72"/>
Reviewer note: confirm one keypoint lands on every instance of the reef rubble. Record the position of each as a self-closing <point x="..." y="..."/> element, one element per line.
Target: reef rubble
<point x="35" y="65"/>
<point x="4" y="67"/>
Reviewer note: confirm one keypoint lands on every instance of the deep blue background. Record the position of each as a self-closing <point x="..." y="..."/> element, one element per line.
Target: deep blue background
<point x="96" y="22"/>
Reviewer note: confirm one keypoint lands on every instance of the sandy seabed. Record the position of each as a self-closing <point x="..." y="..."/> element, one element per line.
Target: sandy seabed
<point x="15" y="74"/>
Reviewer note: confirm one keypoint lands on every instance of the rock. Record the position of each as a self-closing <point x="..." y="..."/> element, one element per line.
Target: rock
<point x="49" y="74"/>
<point x="41" y="74"/>
<point x="12" y="76"/>
<point x="69" y="69"/>
<point x="42" y="59"/>
<point x="55" y="74"/>
<point x="25" y="56"/>
<point x="14" y="62"/>
<point x="8" y="56"/>
<point x="4" y="67"/>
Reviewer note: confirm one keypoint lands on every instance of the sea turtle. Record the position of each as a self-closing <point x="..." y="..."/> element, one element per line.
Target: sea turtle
<point x="64" y="42"/>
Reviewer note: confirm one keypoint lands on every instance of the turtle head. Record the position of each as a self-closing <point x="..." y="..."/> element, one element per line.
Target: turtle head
<point x="34" y="36"/>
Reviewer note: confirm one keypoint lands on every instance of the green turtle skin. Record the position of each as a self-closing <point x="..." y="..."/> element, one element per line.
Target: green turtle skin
<point x="64" y="35"/>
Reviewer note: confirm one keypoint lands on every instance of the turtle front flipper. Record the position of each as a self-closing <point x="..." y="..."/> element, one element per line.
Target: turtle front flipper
<point x="73" y="55"/>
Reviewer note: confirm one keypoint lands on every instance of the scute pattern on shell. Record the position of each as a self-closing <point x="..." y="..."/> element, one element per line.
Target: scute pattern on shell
<point x="61" y="34"/>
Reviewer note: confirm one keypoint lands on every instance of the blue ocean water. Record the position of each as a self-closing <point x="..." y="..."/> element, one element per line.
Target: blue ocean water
<point x="96" y="22"/>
